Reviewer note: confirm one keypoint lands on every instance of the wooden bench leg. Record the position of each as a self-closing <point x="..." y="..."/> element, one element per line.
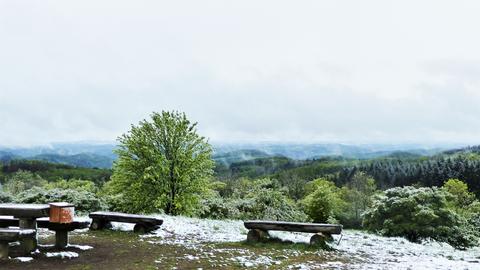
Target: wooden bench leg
<point x="61" y="239"/>
<point x="97" y="224"/>
<point x="140" y="228"/>
<point x="256" y="235"/>
<point x="4" y="247"/>
<point x="319" y="240"/>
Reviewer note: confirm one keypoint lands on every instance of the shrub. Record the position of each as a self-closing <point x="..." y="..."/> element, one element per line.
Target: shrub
<point x="23" y="180"/>
<point x="323" y="202"/>
<point x="419" y="213"/>
<point x="84" y="201"/>
<point x="258" y="199"/>
<point x="76" y="184"/>
<point x="5" y="197"/>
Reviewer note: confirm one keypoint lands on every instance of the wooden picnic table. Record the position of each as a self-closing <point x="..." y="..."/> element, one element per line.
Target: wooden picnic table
<point x="27" y="215"/>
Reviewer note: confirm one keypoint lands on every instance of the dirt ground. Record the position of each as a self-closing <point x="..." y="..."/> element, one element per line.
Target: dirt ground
<point x="126" y="250"/>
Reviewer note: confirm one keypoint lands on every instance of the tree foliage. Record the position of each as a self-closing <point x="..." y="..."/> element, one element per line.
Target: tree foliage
<point x="163" y="164"/>
<point x="323" y="202"/>
<point x="23" y="180"/>
<point x="419" y="213"/>
<point x="84" y="201"/>
<point x="253" y="199"/>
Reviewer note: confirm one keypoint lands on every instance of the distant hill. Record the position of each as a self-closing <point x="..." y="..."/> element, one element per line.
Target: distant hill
<point x="6" y="156"/>
<point x="79" y="160"/>
<point x="309" y="151"/>
<point x="63" y="149"/>
<point x="239" y="155"/>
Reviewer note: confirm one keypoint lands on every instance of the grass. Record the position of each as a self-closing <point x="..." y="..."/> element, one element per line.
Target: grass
<point x="127" y="250"/>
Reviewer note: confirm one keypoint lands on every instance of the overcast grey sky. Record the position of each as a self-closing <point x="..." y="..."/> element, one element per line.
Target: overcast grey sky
<point x="305" y="71"/>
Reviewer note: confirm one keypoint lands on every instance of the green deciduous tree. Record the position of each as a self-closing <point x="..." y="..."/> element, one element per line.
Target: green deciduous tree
<point x="163" y="164"/>
<point x="23" y="180"/>
<point x="323" y="202"/>
<point x="461" y="197"/>
<point x="357" y="195"/>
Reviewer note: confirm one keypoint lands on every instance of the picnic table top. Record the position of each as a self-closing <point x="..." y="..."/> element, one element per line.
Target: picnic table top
<point x="22" y="210"/>
<point x="293" y="226"/>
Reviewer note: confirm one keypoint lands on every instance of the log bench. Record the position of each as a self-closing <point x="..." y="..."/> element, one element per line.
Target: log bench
<point x="61" y="229"/>
<point x="143" y="224"/>
<point x="258" y="230"/>
<point x="8" y="236"/>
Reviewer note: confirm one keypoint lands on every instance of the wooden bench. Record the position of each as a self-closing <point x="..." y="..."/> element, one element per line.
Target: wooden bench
<point x="13" y="235"/>
<point x="143" y="224"/>
<point x="61" y="229"/>
<point x="258" y="230"/>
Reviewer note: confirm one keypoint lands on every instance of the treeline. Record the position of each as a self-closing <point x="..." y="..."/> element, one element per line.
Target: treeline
<point x="53" y="172"/>
<point x="420" y="172"/>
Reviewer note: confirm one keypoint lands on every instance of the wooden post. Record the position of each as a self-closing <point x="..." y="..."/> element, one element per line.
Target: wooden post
<point x="97" y="224"/>
<point x="61" y="239"/>
<point x="319" y="240"/>
<point x="28" y="244"/>
<point x="140" y="228"/>
<point x="4" y="250"/>
<point x="256" y="235"/>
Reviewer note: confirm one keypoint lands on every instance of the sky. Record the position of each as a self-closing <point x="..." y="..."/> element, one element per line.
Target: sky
<point x="247" y="71"/>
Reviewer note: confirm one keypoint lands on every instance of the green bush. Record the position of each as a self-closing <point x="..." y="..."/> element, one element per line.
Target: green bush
<point x="77" y="184"/>
<point x="258" y="199"/>
<point x="5" y="197"/>
<point x="84" y="201"/>
<point x="323" y="202"/>
<point x="217" y="207"/>
<point x="23" y="180"/>
<point x="419" y="213"/>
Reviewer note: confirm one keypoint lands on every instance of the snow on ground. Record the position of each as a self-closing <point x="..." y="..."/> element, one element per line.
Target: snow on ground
<point x="62" y="254"/>
<point x="356" y="250"/>
<point x="366" y="251"/>
<point x="24" y="259"/>
<point x="81" y="247"/>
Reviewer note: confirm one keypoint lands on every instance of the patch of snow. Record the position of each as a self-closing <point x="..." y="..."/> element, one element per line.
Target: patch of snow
<point x="183" y="230"/>
<point x="191" y="257"/>
<point x="62" y="254"/>
<point x="80" y="247"/>
<point x="24" y="259"/>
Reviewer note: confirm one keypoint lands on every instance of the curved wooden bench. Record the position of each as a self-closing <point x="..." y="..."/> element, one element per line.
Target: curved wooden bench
<point x="143" y="224"/>
<point x="12" y="235"/>
<point x="258" y="230"/>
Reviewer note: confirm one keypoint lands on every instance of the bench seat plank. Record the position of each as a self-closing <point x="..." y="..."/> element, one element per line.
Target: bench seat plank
<point x="12" y="235"/>
<point x="25" y="210"/>
<point x="127" y="218"/>
<point x="45" y="223"/>
<point x="293" y="226"/>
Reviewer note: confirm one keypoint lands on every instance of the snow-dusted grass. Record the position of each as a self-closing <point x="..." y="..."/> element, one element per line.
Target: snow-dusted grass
<point x="205" y="243"/>
<point x="364" y="250"/>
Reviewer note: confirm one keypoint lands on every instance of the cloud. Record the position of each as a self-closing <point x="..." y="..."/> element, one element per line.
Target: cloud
<point x="309" y="71"/>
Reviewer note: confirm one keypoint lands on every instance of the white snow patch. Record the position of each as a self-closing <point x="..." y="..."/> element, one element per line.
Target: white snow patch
<point x="24" y="259"/>
<point x="80" y="247"/>
<point x="62" y="254"/>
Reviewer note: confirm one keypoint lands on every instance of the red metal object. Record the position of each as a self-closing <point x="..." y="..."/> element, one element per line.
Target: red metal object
<point x="61" y="212"/>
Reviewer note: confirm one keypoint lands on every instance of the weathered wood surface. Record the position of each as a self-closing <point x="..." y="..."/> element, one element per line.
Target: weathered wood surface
<point x="12" y="235"/>
<point x="127" y="218"/>
<point x="24" y="210"/>
<point x="45" y="223"/>
<point x="293" y="226"/>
